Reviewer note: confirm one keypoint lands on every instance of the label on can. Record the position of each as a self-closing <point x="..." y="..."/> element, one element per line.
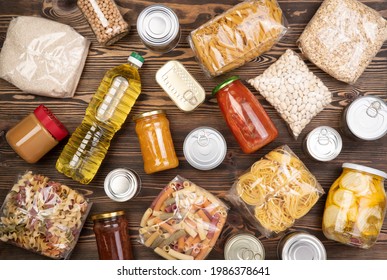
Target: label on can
<point x="301" y="246"/>
<point x="204" y="148"/>
<point x="244" y="246"/>
<point x="323" y="143"/>
<point x="122" y="184"/>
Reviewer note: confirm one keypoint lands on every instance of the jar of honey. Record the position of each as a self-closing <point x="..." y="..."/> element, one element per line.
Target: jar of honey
<point x="244" y="115"/>
<point x="355" y="207"/>
<point x="111" y="233"/>
<point x="156" y="143"/>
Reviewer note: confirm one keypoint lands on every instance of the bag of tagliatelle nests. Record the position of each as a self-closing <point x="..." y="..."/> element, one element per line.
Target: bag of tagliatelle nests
<point x="276" y="191"/>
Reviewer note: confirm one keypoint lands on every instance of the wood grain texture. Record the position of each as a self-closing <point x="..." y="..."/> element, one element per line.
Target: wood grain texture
<point x="125" y="150"/>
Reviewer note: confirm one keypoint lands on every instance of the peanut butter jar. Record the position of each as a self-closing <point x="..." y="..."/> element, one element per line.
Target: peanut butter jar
<point x="36" y="134"/>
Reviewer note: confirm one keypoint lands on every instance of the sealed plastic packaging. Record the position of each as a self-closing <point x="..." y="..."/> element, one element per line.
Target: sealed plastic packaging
<point x="183" y="222"/>
<point x="43" y="57"/>
<point x="343" y="37"/>
<point x="276" y="191"/>
<point x="295" y="92"/>
<point x="238" y="35"/>
<point x="43" y="216"/>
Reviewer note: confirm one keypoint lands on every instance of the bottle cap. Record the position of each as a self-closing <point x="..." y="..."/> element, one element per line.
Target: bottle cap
<point x="136" y="59"/>
<point x="50" y="122"/>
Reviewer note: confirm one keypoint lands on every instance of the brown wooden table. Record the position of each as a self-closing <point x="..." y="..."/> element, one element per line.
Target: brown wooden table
<point x="125" y="150"/>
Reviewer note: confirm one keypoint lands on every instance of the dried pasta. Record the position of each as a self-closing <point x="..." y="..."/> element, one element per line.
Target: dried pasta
<point x="43" y="216"/>
<point x="277" y="190"/>
<point x="238" y="35"/>
<point x="189" y="225"/>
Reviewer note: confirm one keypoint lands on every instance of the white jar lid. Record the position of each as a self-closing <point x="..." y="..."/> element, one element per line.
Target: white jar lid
<point x="367" y="118"/>
<point x="365" y="169"/>
<point x="204" y="148"/>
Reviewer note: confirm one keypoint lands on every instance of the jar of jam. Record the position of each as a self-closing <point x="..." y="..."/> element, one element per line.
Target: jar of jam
<point x="111" y="233"/>
<point x="355" y="207"/>
<point x="156" y="143"/>
<point x="36" y="134"/>
<point x="244" y="115"/>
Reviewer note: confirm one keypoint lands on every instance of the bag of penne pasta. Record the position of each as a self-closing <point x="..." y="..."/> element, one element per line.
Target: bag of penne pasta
<point x="238" y="35"/>
<point x="183" y="222"/>
<point x="43" y="216"/>
<point x="276" y="191"/>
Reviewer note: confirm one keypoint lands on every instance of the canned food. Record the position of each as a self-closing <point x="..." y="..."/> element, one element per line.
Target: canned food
<point x="301" y="246"/>
<point x="323" y="143"/>
<point x="158" y="28"/>
<point x="122" y="184"/>
<point x="181" y="87"/>
<point x="204" y="148"/>
<point x="365" y="118"/>
<point x="244" y="246"/>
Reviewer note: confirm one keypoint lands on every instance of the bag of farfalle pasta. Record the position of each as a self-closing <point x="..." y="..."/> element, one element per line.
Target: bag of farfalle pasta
<point x="237" y="36"/>
<point x="183" y="222"/>
<point x="43" y="216"/>
<point x="276" y="191"/>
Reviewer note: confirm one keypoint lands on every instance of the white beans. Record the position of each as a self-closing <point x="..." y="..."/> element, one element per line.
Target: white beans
<point x="296" y="93"/>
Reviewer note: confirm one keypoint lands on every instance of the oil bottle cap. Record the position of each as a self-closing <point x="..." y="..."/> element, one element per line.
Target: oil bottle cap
<point x="50" y="122"/>
<point x="136" y="59"/>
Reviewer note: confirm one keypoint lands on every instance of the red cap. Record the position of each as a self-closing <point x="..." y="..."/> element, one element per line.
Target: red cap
<point x="50" y="122"/>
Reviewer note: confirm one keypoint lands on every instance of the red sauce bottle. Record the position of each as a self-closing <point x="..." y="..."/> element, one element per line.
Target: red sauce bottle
<point x="111" y="233"/>
<point x="245" y="116"/>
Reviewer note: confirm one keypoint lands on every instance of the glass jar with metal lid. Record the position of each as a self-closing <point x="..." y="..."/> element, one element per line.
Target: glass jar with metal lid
<point x="244" y="115"/>
<point x="158" y="27"/>
<point x="158" y="151"/>
<point x="365" y="118"/>
<point x="355" y="206"/>
<point x="111" y="233"/>
<point x="244" y="246"/>
<point x="323" y="143"/>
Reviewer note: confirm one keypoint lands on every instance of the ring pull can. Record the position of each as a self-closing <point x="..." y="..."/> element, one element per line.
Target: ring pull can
<point x="244" y="246"/>
<point x="323" y="143"/>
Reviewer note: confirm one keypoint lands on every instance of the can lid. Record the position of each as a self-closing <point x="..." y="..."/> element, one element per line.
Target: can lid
<point x="158" y="25"/>
<point x="367" y="118"/>
<point x="136" y="59"/>
<point x="50" y="122"/>
<point x="224" y="83"/>
<point x="244" y="246"/>
<point x="303" y="246"/>
<point x="121" y="184"/>
<point x="365" y="169"/>
<point x="204" y="148"/>
<point x="148" y="114"/>
<point x="324" y="143"/>
<point x="107" y="215"/>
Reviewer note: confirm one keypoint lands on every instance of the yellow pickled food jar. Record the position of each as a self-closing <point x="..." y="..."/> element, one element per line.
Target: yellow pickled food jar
<point x="355" y="207"/>
<point x="156" y="143"/>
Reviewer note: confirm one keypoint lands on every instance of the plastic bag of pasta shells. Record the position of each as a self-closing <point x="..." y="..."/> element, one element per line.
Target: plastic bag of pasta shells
<point x="43" y="216"/>
<point x="238" y="35"/>
<point x="183" y="222"/>
<point x="276" y="191"/>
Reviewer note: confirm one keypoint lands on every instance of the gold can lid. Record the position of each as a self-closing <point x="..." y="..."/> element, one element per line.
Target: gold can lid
<point x="148" y="114"/>
<point x="107" y="215"/>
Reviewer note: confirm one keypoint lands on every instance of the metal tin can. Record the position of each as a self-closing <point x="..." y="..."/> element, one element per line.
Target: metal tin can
<point x="365" y="118"/>
<point x="122" y="184"/>
<point x="158" y="28"/>
<point x="244" y="246"/>
<point x="180" y="86"/>
<point x="323" y="143"/>
<point x="204" y="148"/>
<point x="301" y="246"/>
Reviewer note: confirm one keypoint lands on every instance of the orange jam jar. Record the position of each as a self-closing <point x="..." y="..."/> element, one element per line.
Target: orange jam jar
<point x="156" y="143"/>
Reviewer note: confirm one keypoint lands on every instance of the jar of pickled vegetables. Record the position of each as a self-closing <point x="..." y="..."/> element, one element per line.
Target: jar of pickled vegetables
<point x="156" y="143"/>
<point x="244" y="115"/>
<point x="355" y="207"/>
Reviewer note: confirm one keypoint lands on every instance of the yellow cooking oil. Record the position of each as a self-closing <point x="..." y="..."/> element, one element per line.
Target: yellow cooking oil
<point x="106" y="113"/>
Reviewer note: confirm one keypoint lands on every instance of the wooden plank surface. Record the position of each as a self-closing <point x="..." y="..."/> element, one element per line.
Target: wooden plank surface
<point x="125" y="151"/>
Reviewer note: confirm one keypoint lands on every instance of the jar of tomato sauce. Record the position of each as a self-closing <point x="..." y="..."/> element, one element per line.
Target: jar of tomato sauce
<point x="245" y="116"/>
<point x="154" y="135"/>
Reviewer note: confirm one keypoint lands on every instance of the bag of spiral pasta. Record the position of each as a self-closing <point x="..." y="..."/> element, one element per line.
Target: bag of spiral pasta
<point x="276" y="191"/>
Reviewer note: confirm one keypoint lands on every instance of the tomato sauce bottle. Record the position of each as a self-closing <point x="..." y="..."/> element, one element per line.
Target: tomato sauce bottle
<point x="244" y="115"/>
